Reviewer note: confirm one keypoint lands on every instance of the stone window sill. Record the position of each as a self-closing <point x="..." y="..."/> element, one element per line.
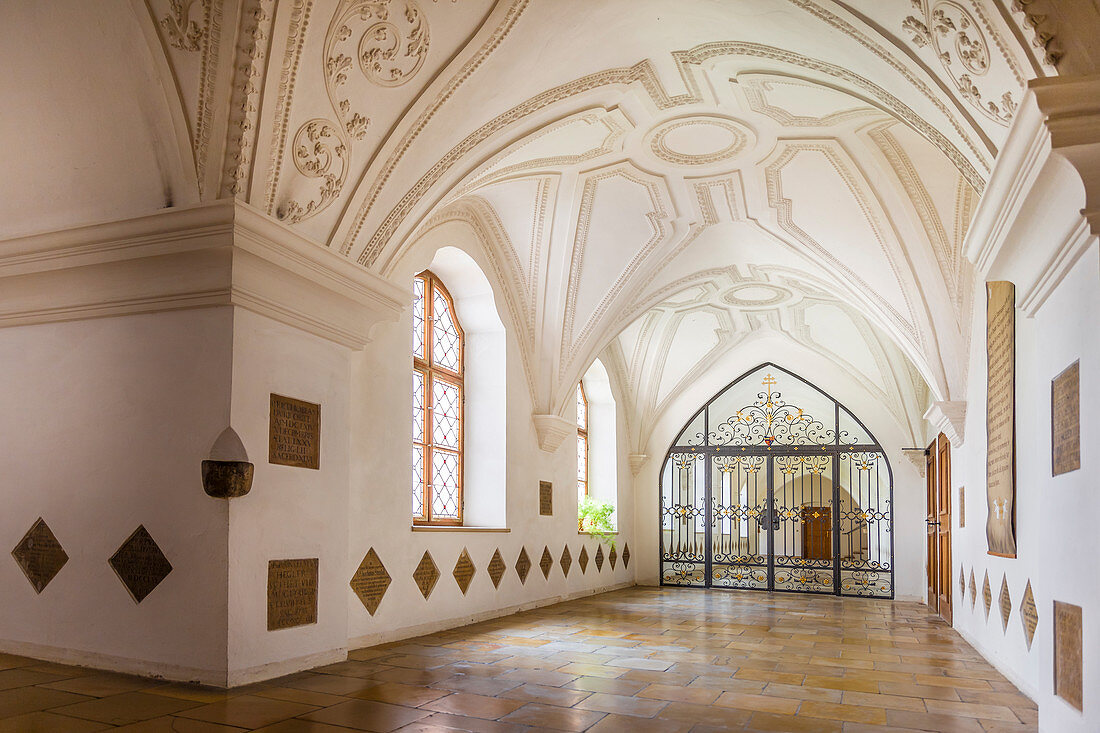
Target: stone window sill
<point x="453" y="528"/>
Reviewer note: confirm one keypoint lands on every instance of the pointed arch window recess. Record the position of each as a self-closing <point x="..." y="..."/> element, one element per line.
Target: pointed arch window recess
<point x="582" y="442"/>
<point x="774" y="485"/>
<point x="438" y="398"/>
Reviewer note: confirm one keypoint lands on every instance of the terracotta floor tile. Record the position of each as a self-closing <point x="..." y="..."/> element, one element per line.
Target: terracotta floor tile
<point x="763" y="703"/>
<point x="30" y="699"/>
<point x="611" y="686"/>
<point x="172" y="724"/>
<point x="791" y="724"/>
<point x="550" y="716"/>
<point x="130" y="707"/>
<point x="800" y="692"/>
<point x="621" y="705"/>
<point x="476" y="685"/>
<point x="591" y="670"/>
<point x="247" y="711"/>
<point x="891" y="702"/>
<point x="972" y="710"/>
<point x="48" y="723"/>
<point x="673" y="693"/>
<point x="411" y="696"/>
<point x="367" y="715"/>
<point x="317" y="699"/>
<point x="100" y="684"/>
<point x="447" y="722"/>
<point x="930" y="721"/>
<point x="25" y="676"/>
<point x="914" y="690"/>
<point x="476" y="706"/>
<point x="705" y="715"/>
<point x="621" y="723"/>
<point x="833" y="711"/>
<point x="560" y="696"/>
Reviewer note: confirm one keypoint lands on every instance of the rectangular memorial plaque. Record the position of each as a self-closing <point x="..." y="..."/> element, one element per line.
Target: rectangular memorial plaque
<point x="295" y="433"/>
<point x="962" y="507"/>
<point x="291" y="593"/>
<point x="1065" y="420"/>
<point x="546" y="498"/>
<point x="1000" y="421"/>
<point x="1067" y="654"/>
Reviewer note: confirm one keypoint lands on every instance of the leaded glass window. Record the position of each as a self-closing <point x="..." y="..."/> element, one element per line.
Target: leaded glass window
<point x="437" y="404"/>
<point x="582" y="443"/>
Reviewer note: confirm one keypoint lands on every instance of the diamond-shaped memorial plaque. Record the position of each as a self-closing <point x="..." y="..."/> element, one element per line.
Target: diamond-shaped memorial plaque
<point x="612" y="557"/>
<point x="496" y="568"/>
<point x="973" y="590"/>
<point x="566" y="561"/>
<point x="962" y="581"/>
<point x="39" y="555"/>
<point x="426" y="575"/>
<point x="140" y="564"/>
<point x="1029" y="615"/>
<point x="626" y="556"/>
<point x="987" y="595"/>
<point x="1006" y="603"/>
<point x="546" y="562"/>
<point x="370" y="581"/>
<point x="464" y="571"/>
<point x="582" y="559"/>
<point x="599" y="558"/>
<point x="523" y="565"/>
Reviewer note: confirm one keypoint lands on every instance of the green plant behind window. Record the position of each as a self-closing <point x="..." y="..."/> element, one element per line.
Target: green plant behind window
<point x="594" y="517"/>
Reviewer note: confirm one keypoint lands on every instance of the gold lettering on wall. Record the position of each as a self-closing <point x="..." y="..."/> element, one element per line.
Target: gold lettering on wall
<point x="291" y="593"/>
<point x="1000" y="528"/>
<point x="1065" y="420"/>
<point x="295" y="433"/>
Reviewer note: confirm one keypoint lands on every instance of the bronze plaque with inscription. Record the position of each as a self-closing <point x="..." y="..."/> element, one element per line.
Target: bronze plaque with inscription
<point x="1065" y="420"/>
<point x="140" y="564"/>
<point x="464" y="571"/>
<point x="626" y="555"/>
<point x="371" y="581"/>
<point x="426" y="575"/>
<point x="291" y="593"/>
<point x="612" y="557"/>
<point x="39" y="555"/>
<point x="1068" y="672"/>
<point x="546" y="498"/>
<point x="962" y="581"/>
<point x="295" y="433"/>
<point x="582" y="559"/>
<point x="566" y="561"/>
<point x="962" y="507"/>
<point x="1029" y="615"/>
<point x="987" y="595"/>
<point x="523" y="565"/>
<point x="1006" y="603"/>
<point x="599" y="558"/>
<point x="546" y="562"/>
<point x="973" y="589"/>
<point x="1000" y="419"/>
<point x="496" y="568"/>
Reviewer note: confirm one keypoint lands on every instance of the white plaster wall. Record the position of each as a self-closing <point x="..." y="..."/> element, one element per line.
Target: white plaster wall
<point x="291" y="512"/>
<point x="1055" y="515"/>
<point x="103" y="425"/>
<point x="379" y="513"/>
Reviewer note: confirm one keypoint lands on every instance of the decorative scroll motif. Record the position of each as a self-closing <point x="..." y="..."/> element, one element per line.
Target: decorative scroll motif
<point x="599" y="558"/>
<point x="959" y="44"/>
<point x="496" y="568"/>
<point x="804" y="579"/>
<point x="182" y="31"/>
<point x="426" y="575"/>
<point x="253" y="38"/>
<point x="39" y="555"/>
<point x="566" y="561"/>
<point x="546" y="562"/>
<point x="140" y="564"/>
<point x="582" y="559"/>
<point x="386" y="41"/>
<point x="523" y="565"/>
<point x="464" y="571"/>
<point x="612" y="557"/>
<point x="1029" y="615"/>
<point x="771" y="421"/>
<point x="1005" y="600"/>
<point x="371" y="581"/>
<point x="626" y="555"/>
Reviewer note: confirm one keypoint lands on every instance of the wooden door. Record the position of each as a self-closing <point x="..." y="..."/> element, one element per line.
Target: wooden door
<point x="933" y="547"/>
<point x="817" y="532"/>
<point x="943" y="527"/>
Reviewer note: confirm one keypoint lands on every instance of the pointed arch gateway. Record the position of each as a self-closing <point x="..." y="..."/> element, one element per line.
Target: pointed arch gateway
<point x="775" y="485"/>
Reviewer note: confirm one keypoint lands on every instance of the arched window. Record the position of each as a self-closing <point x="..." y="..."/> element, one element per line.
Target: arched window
<point x="582" y="443"/>
<point x="437" y="404"/>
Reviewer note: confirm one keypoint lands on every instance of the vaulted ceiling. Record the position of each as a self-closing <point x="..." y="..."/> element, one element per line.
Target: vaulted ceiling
<point x="652" y="182"/>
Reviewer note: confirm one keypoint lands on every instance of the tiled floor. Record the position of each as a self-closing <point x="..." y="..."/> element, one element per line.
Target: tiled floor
<point x="637" y="660"/>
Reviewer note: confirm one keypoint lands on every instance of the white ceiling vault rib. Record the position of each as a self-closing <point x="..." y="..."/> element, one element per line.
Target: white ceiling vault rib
<point x="671" y="196"/>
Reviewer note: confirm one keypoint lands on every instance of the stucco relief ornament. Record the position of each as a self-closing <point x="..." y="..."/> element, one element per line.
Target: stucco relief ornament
<point x="183" y="32"/>
<point x="321" y="153"/>
<point x="962" y="49"/>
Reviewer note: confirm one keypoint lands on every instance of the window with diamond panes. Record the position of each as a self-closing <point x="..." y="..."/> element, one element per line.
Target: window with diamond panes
<point x="437" y="405"/>
<point x="582" y="443"/>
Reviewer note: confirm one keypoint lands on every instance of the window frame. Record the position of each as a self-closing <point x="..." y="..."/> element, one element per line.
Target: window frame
<point x="582" y="436"/>
<point x="430" y="372"/>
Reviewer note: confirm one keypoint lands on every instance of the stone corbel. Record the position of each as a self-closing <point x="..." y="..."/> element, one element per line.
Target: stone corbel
<point x="918" y="458"/>
<point x="1071" y="108"/>
<point x="552" y="431"/>
<point x="637" y="460"/>
<point x="948" y="418"/>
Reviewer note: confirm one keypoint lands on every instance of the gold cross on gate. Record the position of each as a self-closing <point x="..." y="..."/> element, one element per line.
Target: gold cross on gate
<point x="768" y="382"/>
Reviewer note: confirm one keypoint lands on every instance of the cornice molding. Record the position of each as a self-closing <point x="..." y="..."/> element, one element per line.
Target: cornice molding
<point x="552" y="431"/>
<point x="224" y="253"/>
<point x="948" y="418"/>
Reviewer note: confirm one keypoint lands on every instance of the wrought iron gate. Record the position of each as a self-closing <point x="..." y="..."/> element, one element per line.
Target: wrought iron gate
<point x="769" y="495"/>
